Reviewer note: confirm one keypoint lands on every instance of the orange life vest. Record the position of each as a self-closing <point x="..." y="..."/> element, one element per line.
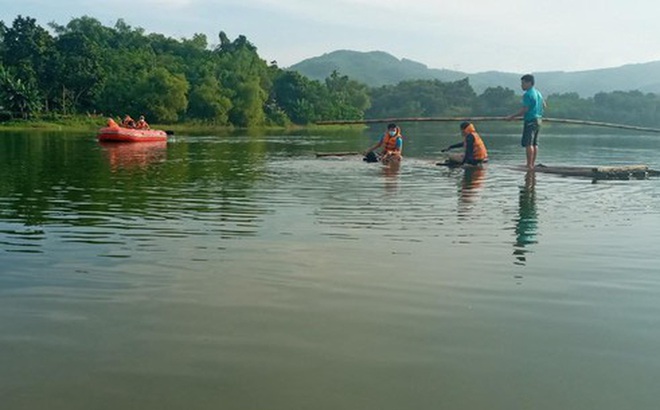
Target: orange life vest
<point x="389" y="141"/>
<point x="480" y="153"/>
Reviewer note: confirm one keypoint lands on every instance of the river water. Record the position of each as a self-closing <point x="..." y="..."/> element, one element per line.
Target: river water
<point x="241" y="272"/>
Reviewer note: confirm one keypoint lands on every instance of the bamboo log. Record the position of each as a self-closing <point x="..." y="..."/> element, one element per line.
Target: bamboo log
<point x="624" y="172"/>
<point x="601" y="124"/>
<point x="487" y="119"/>
<point x="336" y="154"/>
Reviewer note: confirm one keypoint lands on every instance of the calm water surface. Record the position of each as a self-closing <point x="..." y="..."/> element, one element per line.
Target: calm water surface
<point x="241" y="272"/>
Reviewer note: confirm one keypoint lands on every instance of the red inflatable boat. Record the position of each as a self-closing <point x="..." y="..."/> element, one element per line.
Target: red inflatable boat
<point x="114" y="132"/>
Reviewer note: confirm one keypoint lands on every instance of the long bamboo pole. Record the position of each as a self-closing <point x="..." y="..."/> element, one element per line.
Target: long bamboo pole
<point x="486" y="119"/>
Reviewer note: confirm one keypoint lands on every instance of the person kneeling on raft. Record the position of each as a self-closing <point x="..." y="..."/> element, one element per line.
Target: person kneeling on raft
<point x="475" y="152"/>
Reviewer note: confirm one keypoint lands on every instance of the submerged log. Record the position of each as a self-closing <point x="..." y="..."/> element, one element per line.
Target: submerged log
<point x="623" y="172"/>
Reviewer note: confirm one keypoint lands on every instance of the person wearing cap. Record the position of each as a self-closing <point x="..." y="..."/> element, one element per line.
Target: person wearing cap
<point x="392" y="144"/>
<point x="142" y="124"/>
<point x="474" y="149"/>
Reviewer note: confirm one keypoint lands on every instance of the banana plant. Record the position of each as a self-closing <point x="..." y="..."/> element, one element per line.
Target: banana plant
<point x="17" y="96"/>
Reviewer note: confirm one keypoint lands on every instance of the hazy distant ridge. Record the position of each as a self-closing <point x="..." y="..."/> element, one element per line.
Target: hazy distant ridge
<point x="377" y="68"/>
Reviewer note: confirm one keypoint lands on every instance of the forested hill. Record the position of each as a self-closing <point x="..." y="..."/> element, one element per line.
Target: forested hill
<point x="377" y="68"/>
<point x="374" y="68"/>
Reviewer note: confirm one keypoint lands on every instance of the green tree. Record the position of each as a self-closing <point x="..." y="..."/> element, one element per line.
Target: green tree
<point x="80" y="74"/>
<point x="25" y="49"/>
<point x="208" y="102"/>
<point x="460" y="97"/>
<point x="497" y="101"/>
<point x="302" y="99"/>
<point x="162" y="95"/>
<point x="17" y="96"/>
<point x="3" y="30"/>
<point x="248" y="102"/>
<point x="570" y="105"/>
<point x="349" y="98"/>
<point x="631" y="107"/>
<point x="90" y="28"/>
<point x="422" y="98"/>
<point x="127" y="61"/>
<point x="240" y="69"/>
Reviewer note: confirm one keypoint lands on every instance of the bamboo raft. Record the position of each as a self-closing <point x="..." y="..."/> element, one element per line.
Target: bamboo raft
<point x="624" y="172"/>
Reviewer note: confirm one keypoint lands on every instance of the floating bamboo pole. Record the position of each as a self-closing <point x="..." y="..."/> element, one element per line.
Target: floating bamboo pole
<point x="336" y="154"/>
<point x="487" y="119"/>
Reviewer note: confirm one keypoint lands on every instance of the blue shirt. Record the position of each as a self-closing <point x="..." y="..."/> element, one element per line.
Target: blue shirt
<point x="533" y="100"/>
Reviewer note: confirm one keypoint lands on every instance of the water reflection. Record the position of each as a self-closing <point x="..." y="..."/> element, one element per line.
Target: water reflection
<point x="57" y="190"/>
<point x="391" y="177"/>
<point x="471" y="187"/>
<point x="134" y="155"/>
<point x="200" y="278"/>
<point x="527" y="221"/>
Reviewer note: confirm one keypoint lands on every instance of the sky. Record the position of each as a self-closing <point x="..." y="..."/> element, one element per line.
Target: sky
<point x="466" y="35"/>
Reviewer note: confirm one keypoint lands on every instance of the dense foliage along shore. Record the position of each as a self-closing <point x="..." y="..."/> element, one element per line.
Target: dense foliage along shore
<point x="87" y="70"/>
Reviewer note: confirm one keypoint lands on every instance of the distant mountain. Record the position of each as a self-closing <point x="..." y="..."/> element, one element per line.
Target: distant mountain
<point x="377" y="68"/>
<point x="374" y="68"/>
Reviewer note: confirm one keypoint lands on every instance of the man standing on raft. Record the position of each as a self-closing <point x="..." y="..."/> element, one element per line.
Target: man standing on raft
<point x="474" y="153"/>
<point x="532" y="112"/>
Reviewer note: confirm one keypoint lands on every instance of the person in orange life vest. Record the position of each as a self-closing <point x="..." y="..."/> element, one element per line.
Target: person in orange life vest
<point x="128" y="122"/>
<point x="392" y="144"/>
<point x="142" y="124"/>
<point x="474" y="153"/>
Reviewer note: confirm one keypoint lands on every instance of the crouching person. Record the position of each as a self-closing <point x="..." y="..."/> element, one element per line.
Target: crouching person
<point x="474" y="150"/>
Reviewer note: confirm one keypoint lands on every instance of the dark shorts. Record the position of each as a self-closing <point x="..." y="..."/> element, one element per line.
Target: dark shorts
<point x="530" y="135"/>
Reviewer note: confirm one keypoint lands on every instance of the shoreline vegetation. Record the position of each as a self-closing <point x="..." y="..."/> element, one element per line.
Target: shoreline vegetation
<point x="91" y="125"/>
<point x="81" y="123"/>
